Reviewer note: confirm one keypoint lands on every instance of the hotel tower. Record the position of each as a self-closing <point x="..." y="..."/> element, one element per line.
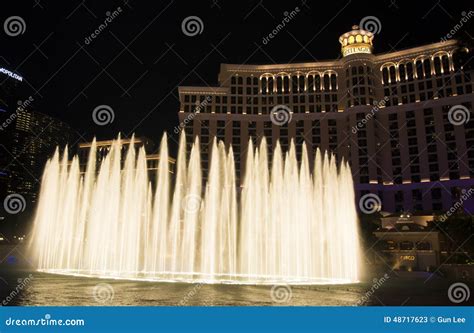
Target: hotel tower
<point x="400" y="118"/>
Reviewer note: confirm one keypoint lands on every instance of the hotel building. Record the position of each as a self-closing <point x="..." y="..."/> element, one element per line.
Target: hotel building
<point x="400" y="118"/>
<point x="103" y="147"/>
<point x="29" y="141"/>
<point x="27" y="138"/>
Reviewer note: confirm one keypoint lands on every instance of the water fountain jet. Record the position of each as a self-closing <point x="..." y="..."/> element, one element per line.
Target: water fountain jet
<point x="289" y="224"/>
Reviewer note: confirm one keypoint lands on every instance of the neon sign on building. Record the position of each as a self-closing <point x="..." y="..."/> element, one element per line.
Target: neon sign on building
<point x="11" y="74"/>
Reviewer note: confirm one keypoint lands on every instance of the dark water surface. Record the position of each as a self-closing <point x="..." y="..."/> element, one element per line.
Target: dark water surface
<point x="18" y="287"/>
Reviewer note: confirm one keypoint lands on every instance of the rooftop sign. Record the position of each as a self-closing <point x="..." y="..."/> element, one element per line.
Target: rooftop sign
<point x="11" y="74"/>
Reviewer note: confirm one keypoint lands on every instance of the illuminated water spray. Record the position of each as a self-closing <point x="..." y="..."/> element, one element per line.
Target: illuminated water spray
<point x="289" y="224"/>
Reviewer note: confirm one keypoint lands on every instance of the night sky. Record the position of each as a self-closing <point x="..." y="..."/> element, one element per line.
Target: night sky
<point x="136" y="64"/>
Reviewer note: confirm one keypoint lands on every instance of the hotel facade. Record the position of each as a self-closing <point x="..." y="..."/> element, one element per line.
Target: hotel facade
<point x="400" y="118"/>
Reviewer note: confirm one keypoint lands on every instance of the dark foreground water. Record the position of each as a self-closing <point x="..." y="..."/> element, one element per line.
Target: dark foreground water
<point x="23" y="287"/>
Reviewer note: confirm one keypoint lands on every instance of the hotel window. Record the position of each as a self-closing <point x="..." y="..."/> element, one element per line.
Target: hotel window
<point x="326" y="82"/>
<point x="409" y="73"/>
<point x="300" y="136"/>
<point x="423" y="246"/>
<point x="427" y="68"/>
<point x="333" y="82"/>
<point x="294" y="84"/>
<point x="419" y="69"/>
<point x="301" y="83"/>
<point x="279" y="83"/>
<point x="416" y="194"/>
<point x="437" y="65"/>
<point x="316" y="133"/>
<point x="252" y="131"/>
<point x="286" y="84"/>
<point x="392" y="75"/>
<point x="437" y="206"/>
<point x="445" y="64"/>
<point x="402" y="72"/>
<point x="433" y="167"/>
<point x="418" y="207"/>
<point x="267" y="131"/>
<point x="220" y="131"/>
<point x="236" y="132"/>
<point x="406" y="246"/>
<point x="389" y="245"/>
<point x="384" y="76"/>
<point x="399" y="196"/>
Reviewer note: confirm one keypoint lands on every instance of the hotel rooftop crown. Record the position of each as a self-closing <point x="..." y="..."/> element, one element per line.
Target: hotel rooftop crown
<point x="356" y="41"/>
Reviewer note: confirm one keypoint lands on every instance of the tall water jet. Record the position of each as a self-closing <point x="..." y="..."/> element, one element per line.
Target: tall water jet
<point x="282" y="225"/>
